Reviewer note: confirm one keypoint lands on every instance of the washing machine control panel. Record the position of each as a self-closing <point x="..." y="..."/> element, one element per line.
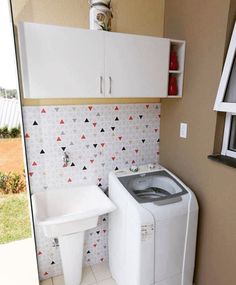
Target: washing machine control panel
<point x="142" y="169"/>
<point x="134" y="168"/>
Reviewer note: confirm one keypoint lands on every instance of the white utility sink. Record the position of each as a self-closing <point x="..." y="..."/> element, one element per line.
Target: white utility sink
<point x="67" y="211"/>
<point x="65" y="214"/>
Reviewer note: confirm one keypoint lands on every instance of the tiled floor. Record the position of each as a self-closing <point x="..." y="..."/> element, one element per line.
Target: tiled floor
<point x="98" y="274"/>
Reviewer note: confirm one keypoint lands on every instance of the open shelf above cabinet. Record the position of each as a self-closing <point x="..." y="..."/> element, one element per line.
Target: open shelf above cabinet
<point x="176" y="69"/>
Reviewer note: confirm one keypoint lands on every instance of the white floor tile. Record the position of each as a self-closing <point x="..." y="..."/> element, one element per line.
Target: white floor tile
<point x="88" y="277"/>
<point x="98" y="274"/>
<point x="101" y="271"/>
<point x="13" y="270"/>
<point x="58" y="280"/>
<point x="109" y="281"/>
<point x="46" y="282"/>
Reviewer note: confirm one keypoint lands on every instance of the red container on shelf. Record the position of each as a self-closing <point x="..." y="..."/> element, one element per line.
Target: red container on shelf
<point x="172" y="88"/>
<point x="173" y="61"/>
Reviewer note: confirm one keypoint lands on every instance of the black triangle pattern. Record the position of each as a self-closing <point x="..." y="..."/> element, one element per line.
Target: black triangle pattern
<point x="97" y="144"/>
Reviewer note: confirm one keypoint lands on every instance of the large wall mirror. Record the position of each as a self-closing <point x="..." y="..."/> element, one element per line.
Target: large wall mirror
<point x="18" y="264"/>
<point x="68" y="144"/>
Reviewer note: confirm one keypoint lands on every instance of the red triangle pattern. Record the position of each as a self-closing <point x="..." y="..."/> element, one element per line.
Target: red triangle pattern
<point x="102" y="154"/>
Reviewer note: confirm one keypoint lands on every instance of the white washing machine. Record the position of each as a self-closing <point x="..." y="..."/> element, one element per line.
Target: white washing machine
<point x="152" y="234"/>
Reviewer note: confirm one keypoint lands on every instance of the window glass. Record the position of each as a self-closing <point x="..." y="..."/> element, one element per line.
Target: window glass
<point x="230" y="93"/>
<point x="232" y="139"/>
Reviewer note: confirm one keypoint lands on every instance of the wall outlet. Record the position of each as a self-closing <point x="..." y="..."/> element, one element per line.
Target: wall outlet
<point x="183" y="131"/>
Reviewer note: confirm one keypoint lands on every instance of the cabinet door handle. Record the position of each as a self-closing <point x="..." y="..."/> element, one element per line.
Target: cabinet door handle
<point x="109" y="84"/>
<point x="101" y="85"/>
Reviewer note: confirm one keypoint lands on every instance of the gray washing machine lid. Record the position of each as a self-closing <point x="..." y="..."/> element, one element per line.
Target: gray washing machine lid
<point x="157" y="186"/>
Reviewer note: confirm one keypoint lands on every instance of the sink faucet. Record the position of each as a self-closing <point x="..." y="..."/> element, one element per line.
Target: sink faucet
<point x="66" y="158"/>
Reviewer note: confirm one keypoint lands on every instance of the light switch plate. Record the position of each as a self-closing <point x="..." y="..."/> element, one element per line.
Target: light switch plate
<point x="183" y="132"/>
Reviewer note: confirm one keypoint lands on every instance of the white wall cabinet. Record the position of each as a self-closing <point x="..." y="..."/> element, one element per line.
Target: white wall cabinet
<point x="136" y="66"/>
<point x="59" y="62"/>
<point x="62" y="62"/>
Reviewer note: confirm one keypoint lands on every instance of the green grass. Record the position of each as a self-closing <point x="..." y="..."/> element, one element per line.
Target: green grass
<point x="14" y="218"/>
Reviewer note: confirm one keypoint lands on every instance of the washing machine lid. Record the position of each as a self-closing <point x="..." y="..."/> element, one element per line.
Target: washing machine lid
<point x="157" y="186"/>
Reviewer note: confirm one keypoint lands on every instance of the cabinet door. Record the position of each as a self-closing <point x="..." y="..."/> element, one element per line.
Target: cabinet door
<point x="136" y="66"/>
<point x="61" y="62"/>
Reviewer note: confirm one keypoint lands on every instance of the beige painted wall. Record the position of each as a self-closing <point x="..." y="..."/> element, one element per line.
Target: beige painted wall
<point x="133" y="16"/>
<point x="204" y="26"/>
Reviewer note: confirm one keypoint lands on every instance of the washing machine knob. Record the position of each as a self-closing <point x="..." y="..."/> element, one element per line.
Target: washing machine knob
<point x="134" y="168"/>
<point x="151" y="166"/>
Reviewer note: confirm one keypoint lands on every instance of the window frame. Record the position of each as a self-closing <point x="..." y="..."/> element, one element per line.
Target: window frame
<point x="220" y="105"/>
<point x="227" y="131"/>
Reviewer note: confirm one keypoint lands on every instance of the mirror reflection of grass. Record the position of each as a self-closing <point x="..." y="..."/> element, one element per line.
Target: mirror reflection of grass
<point x="11" y="183"/>
<point x="14" y="213"/>
<point x="14" y="217"/>
<point x="9" y="133"/>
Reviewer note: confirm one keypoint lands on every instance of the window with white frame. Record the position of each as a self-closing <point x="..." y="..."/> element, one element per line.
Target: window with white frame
<point x="229" y="141"/>
<point x="226" y="95"/>
<point x="226" y="99"/>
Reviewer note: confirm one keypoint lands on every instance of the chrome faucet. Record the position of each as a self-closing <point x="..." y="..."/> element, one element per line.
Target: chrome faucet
<point x="66" y="158"/>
